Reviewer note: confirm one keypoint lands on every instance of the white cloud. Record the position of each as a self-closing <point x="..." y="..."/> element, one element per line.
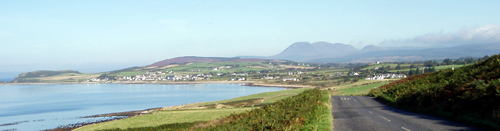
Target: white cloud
<point x="475" y="35"/>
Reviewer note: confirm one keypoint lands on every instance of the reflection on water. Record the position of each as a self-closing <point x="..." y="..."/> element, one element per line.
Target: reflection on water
<point x="47" y="106"/>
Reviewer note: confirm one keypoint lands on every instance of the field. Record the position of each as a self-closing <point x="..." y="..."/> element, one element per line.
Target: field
<point x="372" y="66"/>
<point x="269" y="97"/>
<point x="360" y="90"/>
<point x="67" y="77"/>
<point x="361" y="87"/>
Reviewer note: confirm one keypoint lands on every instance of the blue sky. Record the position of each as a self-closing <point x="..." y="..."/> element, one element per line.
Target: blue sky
<point x="92" y="36"/>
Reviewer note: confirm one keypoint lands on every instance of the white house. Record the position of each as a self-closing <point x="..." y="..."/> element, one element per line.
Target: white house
<point x="290" y="79"/>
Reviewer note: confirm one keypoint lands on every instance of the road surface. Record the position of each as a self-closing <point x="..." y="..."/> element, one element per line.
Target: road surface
<point x="362" y="113"/>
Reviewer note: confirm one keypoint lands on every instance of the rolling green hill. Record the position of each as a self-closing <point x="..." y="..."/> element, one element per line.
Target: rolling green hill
<point x="469" y="94"/>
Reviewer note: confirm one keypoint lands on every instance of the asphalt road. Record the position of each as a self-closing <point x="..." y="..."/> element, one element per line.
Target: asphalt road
<point x="361" y="113"/>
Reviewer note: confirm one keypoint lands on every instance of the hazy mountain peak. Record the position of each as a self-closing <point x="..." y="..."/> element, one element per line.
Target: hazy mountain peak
<point x="305" y="50"/>
<point x="300" y="44"/>
<point x="372" y="48"/>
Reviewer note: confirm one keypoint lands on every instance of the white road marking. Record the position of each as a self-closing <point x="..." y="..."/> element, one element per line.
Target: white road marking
<point x="355" y="101"/>
<point x="406" y="129"/>
<point x="370" y="112"/>
<point x="384" y="118"/>
<point x="344" y="98"/>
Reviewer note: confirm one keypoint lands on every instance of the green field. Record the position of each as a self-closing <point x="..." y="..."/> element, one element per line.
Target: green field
<point x="361" y="90"/>
<point x="437" y="68"/>
<point x="206" y="67"/>
<point x="372" y="66"/>
<point x="130" y="73"/>
<point x="448" y="67"/>
<point x="165" y="117"/>
<point x="272" y="96"/>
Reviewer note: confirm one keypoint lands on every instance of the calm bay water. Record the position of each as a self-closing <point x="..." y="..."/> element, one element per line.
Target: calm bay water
<point x="46" y="106"/>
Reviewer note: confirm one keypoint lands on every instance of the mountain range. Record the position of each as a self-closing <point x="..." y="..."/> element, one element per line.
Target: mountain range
<point x="328" y="52"/>
<point x="325" y="52"/>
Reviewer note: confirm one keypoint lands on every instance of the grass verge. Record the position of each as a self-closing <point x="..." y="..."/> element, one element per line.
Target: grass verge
<point x="165" y="117"/>
<point x="186" y="115"/>
<point x="310" y="110"/>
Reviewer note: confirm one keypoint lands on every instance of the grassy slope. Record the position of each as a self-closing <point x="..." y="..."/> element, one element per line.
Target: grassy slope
<point x="310" y="110"/>
<point x="437" y="68"/>
<point x="165" y="117"/>
<point x="469" y="94"/>
<point x="361" y="90"/>
<point x="361" y="87"/>
<point x="273" y="96"/>
<point x="180" y="116"/>
<point x="383" y="65"/>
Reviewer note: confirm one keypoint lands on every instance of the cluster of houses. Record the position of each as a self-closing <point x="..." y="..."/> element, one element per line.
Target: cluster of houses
<point x="164" y="76"/>
<point x="220" y="68"/>
<point x="385" y="76"/>
<point x="188" y="77"/>
<point x="290" y="79"/>
<point x="270" y="77"/>
<point x="277" y="77"/>
<point x="298" y="72"/>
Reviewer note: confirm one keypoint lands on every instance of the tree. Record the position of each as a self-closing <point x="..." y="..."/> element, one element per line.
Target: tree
<point x="346" y="79"/>
<point x="447" y="61"/>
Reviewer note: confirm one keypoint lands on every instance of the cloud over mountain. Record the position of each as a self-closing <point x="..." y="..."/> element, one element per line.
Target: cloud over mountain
<point x="487" y="34"/>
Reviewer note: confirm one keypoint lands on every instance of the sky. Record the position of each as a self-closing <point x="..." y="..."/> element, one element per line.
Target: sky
<point x="105" y="35"/>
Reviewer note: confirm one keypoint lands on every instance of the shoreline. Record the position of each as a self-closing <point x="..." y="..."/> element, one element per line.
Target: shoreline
<point x="116" y="115"/>
<point x="258" y="84"/>
<point x="245" y="83"/>
<point x="132" y="82"/>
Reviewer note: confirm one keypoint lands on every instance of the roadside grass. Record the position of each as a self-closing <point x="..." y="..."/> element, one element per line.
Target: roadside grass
<point x="310" y="110"/>
<point x="362" y="87"/>
<point x="192" y="115"/>
<point x="360" y="90"/>
<point x="165" y="117"/>
<point x="272" y="96"/>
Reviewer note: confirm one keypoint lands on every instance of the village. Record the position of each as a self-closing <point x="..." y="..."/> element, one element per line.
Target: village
<point x="172" y="76"/>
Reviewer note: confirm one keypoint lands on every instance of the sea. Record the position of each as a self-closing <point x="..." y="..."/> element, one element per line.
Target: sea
<point x="48" y="106"/>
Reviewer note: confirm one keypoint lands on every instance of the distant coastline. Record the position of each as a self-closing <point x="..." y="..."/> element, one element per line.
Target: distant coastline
<point x="245" y="83"/>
